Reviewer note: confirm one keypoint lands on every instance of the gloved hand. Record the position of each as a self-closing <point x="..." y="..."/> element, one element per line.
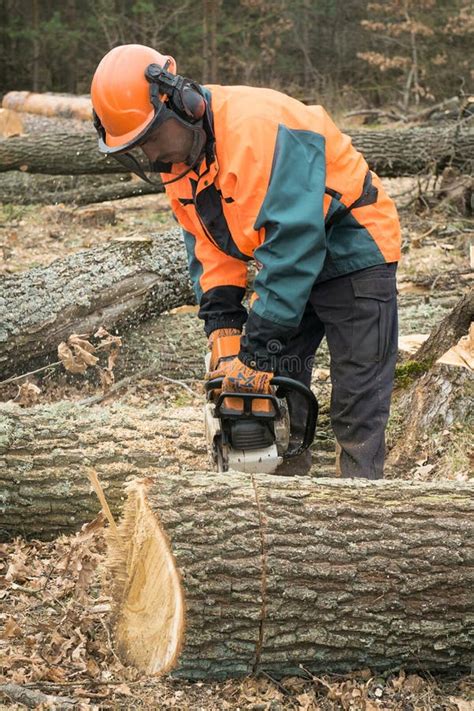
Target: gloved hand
<point x="238" y="377"/>
<point x="220" y="332"/>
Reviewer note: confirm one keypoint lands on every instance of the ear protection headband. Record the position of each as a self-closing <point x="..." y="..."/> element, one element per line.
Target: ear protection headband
<point x="182" y="94"/>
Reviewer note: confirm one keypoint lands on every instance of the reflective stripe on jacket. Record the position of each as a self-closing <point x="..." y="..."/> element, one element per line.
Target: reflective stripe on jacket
<point x="285" y="187"/>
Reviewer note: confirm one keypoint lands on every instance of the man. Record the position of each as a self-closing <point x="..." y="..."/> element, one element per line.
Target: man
<point x="254" y="174"/>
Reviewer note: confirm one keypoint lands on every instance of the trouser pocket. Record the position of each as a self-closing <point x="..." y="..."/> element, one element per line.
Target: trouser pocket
<point x="374" y="334"/>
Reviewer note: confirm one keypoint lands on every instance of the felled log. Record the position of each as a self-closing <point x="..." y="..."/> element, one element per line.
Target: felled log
<point x="46" y="451"/>
<point x="217" y="575"/>
<point x="406" y="151"/>
<point x="37" y="189"/>
<point x="112" y="285"/>
<point x="56" y="153"/>
<point x="49" y="104"/>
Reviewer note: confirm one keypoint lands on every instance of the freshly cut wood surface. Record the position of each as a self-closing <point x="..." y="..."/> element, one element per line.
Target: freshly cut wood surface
<point x="10" y="123"/>
<point x="65" y="105"/>
<point x="279" y="572"/>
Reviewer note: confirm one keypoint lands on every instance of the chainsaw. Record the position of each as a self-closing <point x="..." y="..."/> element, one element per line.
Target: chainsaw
<point x="250" y="432"/>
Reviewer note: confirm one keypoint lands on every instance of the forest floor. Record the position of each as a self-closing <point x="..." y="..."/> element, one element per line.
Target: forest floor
<point x="57" y="637"/>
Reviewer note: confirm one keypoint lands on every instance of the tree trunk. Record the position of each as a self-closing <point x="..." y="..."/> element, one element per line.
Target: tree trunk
<point x="45" y="452"/>
<point x="64" y="105"/>
<point x="31" y="189"/>
<point x="450" y="329"/>
<point x="223" y="575"/>
<point x="389" y="152"/>
<point x="111" y="286"/>
<point x="432" y="398"/>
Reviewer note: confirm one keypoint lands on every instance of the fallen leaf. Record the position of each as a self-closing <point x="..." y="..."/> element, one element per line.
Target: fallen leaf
<point x="123" y="690"/>
<point x="28" y="394"/>
<point x="12" y="629"/>
<point x="107" y="378"/>
<point x="70" y="363"/>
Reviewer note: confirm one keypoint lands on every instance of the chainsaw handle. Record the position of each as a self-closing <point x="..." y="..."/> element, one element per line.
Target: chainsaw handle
<point x="280" y="381"/>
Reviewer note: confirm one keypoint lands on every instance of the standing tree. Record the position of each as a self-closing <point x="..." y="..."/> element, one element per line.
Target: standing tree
<point x="415" y="41"/>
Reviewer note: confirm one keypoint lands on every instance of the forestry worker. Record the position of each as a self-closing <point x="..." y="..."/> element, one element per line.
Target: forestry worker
<point x="253" y="174"/>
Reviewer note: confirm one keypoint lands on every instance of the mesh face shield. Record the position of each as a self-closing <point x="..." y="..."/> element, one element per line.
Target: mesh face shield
<point x="132" y="158"/>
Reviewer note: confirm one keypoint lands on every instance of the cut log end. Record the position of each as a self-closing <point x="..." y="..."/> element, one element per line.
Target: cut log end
<point x="151" y="615"/>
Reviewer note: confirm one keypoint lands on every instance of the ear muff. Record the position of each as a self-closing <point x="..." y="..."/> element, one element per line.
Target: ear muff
<point x="183" y="94"/>
<point x="193" y="102"/>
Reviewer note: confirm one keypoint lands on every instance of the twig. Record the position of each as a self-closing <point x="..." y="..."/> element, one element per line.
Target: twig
<point x="27" y="591"/>
<point x="432" y="229"/>
<point x="94" y="480"/>
<point x="33" y="698"/>
<point x="116" y="386"/>
<point x="32" y="372"/>
<point x="282" y="688"/>
<point x="177" y="382"/>
<point x="376" y="112"/>
<point x="111" y="646"/>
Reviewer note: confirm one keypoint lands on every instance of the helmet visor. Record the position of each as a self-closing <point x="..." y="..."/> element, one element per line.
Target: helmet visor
<point x="162" y="114"/>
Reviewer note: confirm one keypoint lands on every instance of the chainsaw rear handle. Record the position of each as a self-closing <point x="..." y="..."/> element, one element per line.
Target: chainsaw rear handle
<point x="278" y="381"/>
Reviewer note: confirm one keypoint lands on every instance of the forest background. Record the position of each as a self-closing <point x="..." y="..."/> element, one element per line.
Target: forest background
<point x="344" y="53"/>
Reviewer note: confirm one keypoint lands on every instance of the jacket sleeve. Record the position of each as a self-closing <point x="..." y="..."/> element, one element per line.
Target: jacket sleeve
<point x="292" y="248"/>
<point x="219" y="283"/>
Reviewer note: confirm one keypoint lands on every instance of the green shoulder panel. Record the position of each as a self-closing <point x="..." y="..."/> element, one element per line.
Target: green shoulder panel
<point x="292" y="215"/>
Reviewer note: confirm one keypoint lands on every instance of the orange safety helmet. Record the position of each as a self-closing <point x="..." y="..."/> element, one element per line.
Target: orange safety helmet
<point x="120" y="93"/>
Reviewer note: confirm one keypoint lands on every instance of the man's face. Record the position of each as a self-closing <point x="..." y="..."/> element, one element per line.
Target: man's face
<point x="169" y="143"/>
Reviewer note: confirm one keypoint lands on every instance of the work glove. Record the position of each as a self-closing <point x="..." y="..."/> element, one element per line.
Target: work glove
<point x="238" y="377"/>
<point x="220" y="332"/>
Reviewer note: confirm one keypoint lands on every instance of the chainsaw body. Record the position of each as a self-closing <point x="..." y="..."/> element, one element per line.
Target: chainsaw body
<point x="250" y="432"/>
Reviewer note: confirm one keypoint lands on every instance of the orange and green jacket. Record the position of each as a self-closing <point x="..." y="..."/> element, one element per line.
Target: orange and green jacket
<point x="281" y="185"/>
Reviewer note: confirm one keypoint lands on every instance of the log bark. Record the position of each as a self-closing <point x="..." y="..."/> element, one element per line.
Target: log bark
<point x="49" y="104"/>
<point x="56" y="153"/>
<point x="36" y="189"/>
<point x="389" y="152"/>
<point x="437" y="401"/>
<point x="46" y="450"/>
<point x="449" y="330"/>
<point x="217" y="576"/>
<point x="113" y="285"/>
<point x="173" y="345"/>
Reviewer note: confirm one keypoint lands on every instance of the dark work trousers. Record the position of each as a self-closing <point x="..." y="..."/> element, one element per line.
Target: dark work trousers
<point x="358" y="315"/>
